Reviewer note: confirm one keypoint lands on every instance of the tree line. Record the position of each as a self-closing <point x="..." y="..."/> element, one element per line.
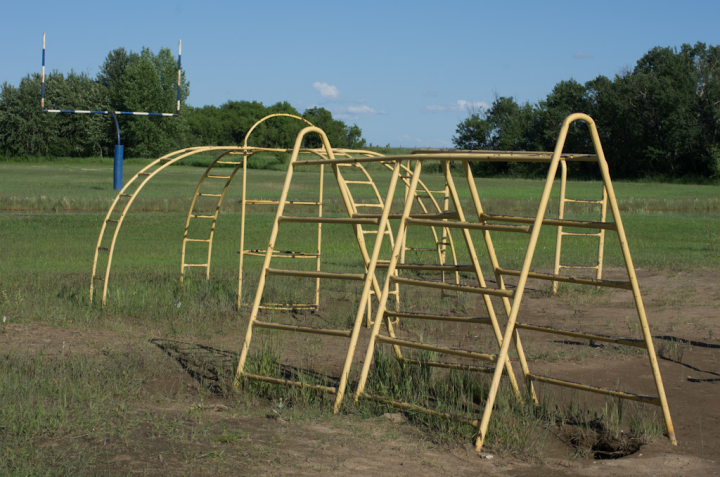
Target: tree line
<point x="660" y="119"/>
<point x="143" y="82"/>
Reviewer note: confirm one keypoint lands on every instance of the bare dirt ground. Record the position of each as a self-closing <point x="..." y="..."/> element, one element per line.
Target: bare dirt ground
<point x="684" y="320"/>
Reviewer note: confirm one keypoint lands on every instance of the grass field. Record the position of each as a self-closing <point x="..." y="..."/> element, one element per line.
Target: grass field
<point x="50" y="216"/>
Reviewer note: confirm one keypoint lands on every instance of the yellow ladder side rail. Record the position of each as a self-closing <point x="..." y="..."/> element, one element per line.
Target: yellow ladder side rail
<point x="498" y="277"/>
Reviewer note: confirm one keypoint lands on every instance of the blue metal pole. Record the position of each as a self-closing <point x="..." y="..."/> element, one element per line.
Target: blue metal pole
<point x="118" y="164"/>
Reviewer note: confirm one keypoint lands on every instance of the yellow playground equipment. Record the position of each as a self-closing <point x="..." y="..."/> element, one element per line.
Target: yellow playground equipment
<point x="214" y="184"/>
<point x="452" y="216"/>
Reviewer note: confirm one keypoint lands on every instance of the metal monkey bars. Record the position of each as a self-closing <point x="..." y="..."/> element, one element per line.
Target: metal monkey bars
<point x="511" y="298"/>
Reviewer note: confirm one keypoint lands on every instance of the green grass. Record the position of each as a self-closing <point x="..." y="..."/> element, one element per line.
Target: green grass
<point x="50" y="216"/>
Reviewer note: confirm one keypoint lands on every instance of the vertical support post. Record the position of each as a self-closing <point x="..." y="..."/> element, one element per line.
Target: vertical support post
<point x="119" y="152"/>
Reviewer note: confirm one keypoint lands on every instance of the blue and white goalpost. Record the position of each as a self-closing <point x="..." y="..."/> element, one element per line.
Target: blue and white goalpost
<point x="119" y="149"/>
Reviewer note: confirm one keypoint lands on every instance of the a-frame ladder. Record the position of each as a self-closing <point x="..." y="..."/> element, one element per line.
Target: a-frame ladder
<point x="368" y="278"/>
<point x="512" y="298"/>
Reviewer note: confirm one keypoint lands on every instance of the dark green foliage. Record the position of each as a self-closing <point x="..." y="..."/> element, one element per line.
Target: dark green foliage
<point x="662" y="119"/>
<point x="145" y="82"/>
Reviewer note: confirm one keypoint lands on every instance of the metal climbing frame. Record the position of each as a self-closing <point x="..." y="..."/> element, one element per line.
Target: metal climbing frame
<point x="561" y="233"/>
<point x="512" y="298"/>
<point x="368" y="278"/>
<point x="214" y="184"/>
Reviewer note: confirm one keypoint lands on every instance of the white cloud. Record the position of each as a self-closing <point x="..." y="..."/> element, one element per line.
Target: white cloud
<point x="364" y="109"/>
<point x="581" y="55"/>
<point x="459" y="105"/>
<point x="327" y="91"/>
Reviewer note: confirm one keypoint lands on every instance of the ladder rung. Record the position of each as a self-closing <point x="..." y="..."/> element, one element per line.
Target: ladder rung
<point x="581" y="267"/>
<point x="438" y="349"/>
<point x="218" y="177"/>
<point x="428" y="316"/>
<point x="416" y="249"/>
<point x="230" y="162"/>
<point x="288" y="382"/>
<point x="429" y="192"/>
<point x="428" y="267"/>
<point x="582" y="335"/>
<point x="440" y="216"/>
<point x="378" y="206"/>
<point x="102" y="279"/>
<point x="329" y="220"/>
<point x="470" y="225"/>
<point x="451" y="286"/>
<point x="302" y="329"/>
<point x="554" y="222"/>
<point x="565" y="279"/>
<point x="125" y="195"/>
<point x="288" y="306"/>
<point x="113" y="220"/>
<point x="105" y="249"/>
<point x="280" y="253"/>
<point x="371" y="232"/>
<point x="195" y="264"/>
<point x="277" y="202"/>
<point x="195" y="216"/>
<point x="584" y="201"/>
<point x="209" y="195"/>
<point x="313" y="274"/>
<point x="358" y="182"/>
<point x="197" y="240"/>
<point x="595" y="389"/>
<point x="582" y="234"/>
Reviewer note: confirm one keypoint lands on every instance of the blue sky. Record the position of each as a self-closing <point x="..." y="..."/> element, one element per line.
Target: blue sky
<point x="406" y="72"/>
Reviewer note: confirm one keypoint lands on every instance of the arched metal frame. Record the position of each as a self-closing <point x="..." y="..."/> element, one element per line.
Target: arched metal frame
<point x="226" y="157"/>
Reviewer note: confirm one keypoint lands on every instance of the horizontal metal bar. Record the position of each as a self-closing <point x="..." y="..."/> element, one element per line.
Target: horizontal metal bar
<point x="595" y="389"/>
<point x="104" y="249"/>
<point x="287" y="306"/>
<point x="329" y="220"/>
<point x="377" y="206"/>
<point x="302" y="329"/>
<point x="218" y="177"/>
<point x="470" y="225"/>
<point x="277" y="202"/>
<point x="429" y="316"/>
<point x="230" y="162"/>
<point x="428" y="267"/>
<point x="102" y="279"/>
<point x="450" y="286"/>
<point x="582" y="335"/>
<point x="442" y="364"/>
<point x="561" y="278"/>
<point x="554" y="222"/>
<point x="582" y="234"/>
<point x="280" y="253"/>
<point x="313" y="274"/>
<point x="438" y="349"/>
<point x="125" y="195"/>
<point x="195" y="216"/>
<point x="288" y="382"/>
<point x="414" y="407"/>
<point x="584" y="201"/>
<point x="195" y="264"/>
<point x="442" y="215"/>
<point x="209" y="195"/>
<point x="359" y="182"/>
<point x="113" y="220"/>
<point x="197" y="240"/>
